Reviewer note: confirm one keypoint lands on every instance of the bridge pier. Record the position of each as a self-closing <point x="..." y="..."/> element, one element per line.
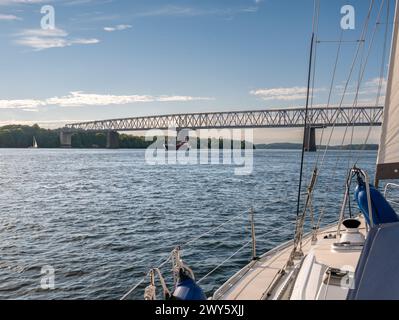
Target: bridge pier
<point x="66" y="139"/>
<point x="310" y="139"/>
<point x="112" y="140"/>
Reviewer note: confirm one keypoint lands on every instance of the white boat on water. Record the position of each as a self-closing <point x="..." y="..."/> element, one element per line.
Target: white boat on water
<point x="356" y="257"/>
<point x="34" y="144"/>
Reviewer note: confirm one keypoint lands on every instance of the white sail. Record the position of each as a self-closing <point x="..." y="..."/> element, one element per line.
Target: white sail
<point x="34" y="143"/>
<point x="388" y="155"/>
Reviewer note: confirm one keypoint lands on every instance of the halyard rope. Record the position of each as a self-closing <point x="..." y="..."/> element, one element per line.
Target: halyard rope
<point x="170" y="256"/>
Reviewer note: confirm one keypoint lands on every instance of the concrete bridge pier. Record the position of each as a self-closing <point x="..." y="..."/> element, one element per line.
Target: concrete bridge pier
<point x="310" y="139"/>
<point x="66" y="139"/>
<point x="112" y="140"/>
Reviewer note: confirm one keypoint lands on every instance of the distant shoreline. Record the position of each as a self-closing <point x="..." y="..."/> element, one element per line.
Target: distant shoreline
<point x="298" y="146"/>
<point x="21" y="137"/>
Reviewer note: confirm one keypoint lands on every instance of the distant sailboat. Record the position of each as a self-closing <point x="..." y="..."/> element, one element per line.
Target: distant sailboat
<point x="34" y="145"/>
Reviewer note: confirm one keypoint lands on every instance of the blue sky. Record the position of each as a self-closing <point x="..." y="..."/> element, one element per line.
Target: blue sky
<point x="120" y="58"/>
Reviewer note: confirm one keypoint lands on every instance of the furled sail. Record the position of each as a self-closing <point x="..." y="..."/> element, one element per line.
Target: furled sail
<point x="388" y="156"/>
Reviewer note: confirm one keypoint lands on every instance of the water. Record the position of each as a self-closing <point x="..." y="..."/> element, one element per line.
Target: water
<point x="102" y="218"/>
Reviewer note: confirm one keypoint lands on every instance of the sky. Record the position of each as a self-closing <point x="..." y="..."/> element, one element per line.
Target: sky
<point x="122" y="58"/>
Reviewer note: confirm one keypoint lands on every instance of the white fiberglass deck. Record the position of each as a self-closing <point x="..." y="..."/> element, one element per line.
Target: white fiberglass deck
<point x="253" y="282"/>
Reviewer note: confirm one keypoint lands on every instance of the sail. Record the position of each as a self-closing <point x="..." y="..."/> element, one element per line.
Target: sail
<point x="388" y="155"/>
<point x="34" y="142"/>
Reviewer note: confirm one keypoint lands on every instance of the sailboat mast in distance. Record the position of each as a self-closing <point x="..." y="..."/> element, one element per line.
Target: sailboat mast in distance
<point x="388" y="154"/>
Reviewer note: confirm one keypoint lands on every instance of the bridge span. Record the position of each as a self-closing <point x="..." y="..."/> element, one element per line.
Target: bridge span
<point x="271" y="118"/>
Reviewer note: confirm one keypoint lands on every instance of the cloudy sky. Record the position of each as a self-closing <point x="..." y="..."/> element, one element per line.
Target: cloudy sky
<point x="121" y="58"/>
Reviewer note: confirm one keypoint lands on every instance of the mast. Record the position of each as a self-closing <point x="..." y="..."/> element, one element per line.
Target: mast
<point x="299" y="220"/>
<point x="388" y="154"/>
<point x="305" y="128"/>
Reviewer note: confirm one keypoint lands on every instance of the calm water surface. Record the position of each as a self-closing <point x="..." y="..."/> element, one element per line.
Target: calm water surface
<point x="101" y="218"/>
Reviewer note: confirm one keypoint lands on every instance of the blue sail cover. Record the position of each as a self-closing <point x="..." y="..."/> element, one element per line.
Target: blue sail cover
<point x="377" y="273"/>
<point x="382" y="210"/>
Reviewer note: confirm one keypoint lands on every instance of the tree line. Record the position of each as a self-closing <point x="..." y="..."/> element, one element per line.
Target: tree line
<point x="21" y="136"/>
<point x="18" y="136"/>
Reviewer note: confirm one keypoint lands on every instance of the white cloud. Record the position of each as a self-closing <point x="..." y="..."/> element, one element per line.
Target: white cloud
<point x="375" y="83"/>
<point x="77" y="2"/>
<point x="181" y="99"/>
<point x="24" y="104"/>
<point x="40" y="39"/>
<point x="6" y="2"/>
<point x="119" y="27"/>
<point x="284" y="94"/>
<point x="49" y="124"/>
<point x="43" y="33"/>
<point x="172" y="11"/>
<point x="80" y="99"/>
<point x="367" y="92"/>
<point x="38" y="43"/>
<point x="183" y="11"/>
<point x="83" y="41"/>
<point x="9" y="17"/>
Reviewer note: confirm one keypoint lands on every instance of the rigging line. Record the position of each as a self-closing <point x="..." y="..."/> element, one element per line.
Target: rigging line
<point x="169" y="255"/>
<point x="360" y="45"/>
<point x="332" y="85"/>
<point x="382" y="71"/>
<point x="359" y="81"/>
<point x="226" y="260"/>
<point x="238" y="251"/>
<point x="361" y="76"/>
<point x="127" y="294"/>
<point x="365" y="26"/>
<point x="316" y="6"/>
<point x="313" y="77"/>
<point x="314" y="62"/>
<point x="315" y="53"/>
<point x="306" y="111"/>
<point x="328" y="102"/>
<point x="364" y="31"/>
<point x="212" y="230"/>
<point x="335" y="41"/>
<point x="355" y="102"/>
<point x="298" y="222"/>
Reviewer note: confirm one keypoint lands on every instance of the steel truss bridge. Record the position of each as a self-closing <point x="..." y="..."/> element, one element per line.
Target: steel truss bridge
<point x="272" y="118"/>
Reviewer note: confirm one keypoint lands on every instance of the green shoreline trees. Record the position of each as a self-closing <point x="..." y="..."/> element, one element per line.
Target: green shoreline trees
<point x="18" y="136"/>
<point x="21" y="136"/>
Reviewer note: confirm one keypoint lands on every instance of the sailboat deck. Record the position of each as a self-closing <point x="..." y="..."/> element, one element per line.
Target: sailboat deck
<point x="327" y="265"/>
<point x="252" y="282"/>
